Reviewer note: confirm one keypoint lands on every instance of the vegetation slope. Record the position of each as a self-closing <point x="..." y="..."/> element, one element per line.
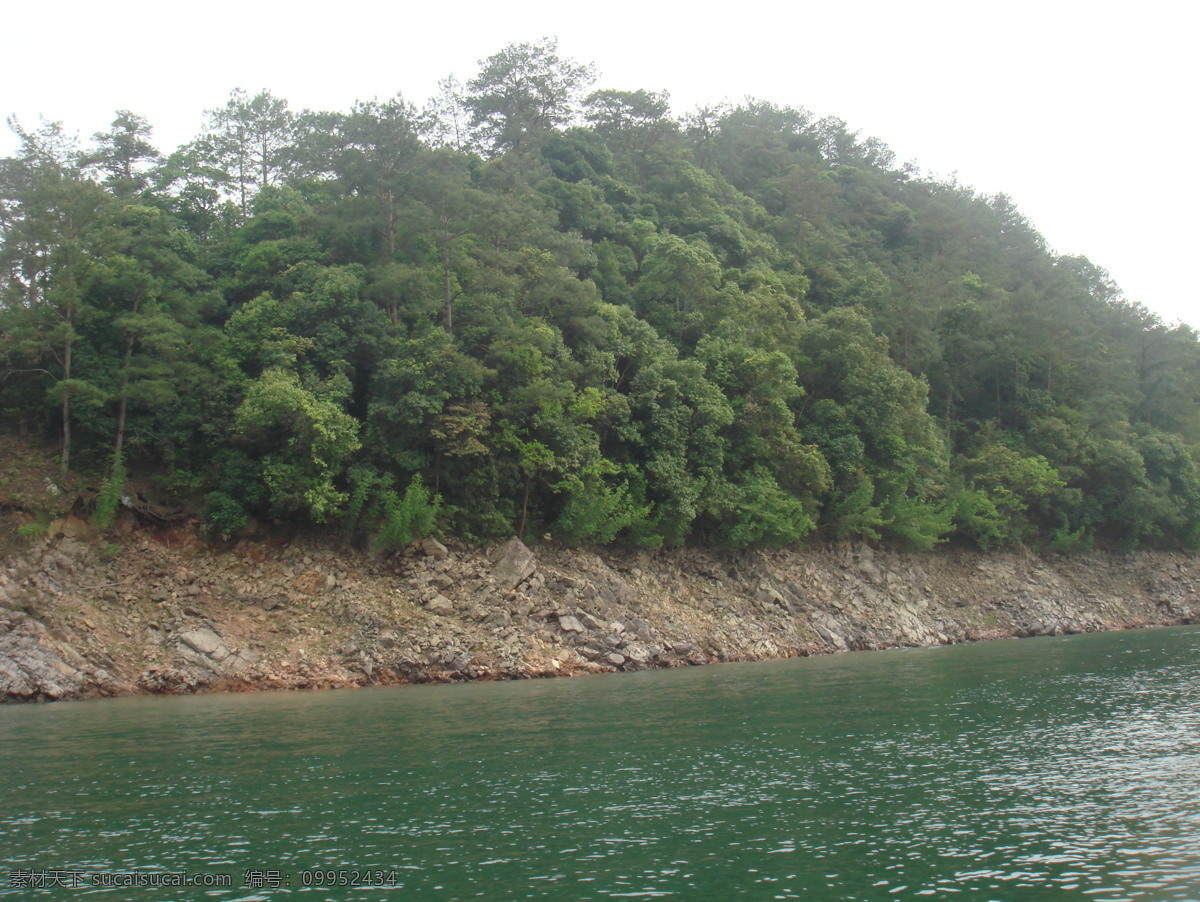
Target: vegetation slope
<point x="531" y="307"/>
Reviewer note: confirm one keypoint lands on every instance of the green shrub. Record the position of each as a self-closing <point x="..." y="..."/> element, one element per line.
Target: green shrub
<point x="409" y="518"/>
<point x="595" y="512"/>
<point x="917" y="524"/>
<point x="109" y="499"/>
<point x="222" y="515"/>
<point x="31" y="532"/>
<point x="761" y="514"/>
<point x="1067" y="541"/>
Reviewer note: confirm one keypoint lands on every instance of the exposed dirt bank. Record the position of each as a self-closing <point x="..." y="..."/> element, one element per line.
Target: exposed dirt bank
<point x="162" y="612"/>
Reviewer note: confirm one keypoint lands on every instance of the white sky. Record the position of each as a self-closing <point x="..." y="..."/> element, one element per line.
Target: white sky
<point x="1083" y="112"/>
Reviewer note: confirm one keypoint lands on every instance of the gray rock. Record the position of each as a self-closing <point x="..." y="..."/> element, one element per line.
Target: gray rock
<point x="641" y="629"/>
<point x="451" y="658"/>
<point x="435" y="549"/>
<point x="206" y="642"/>
<point x="870" y="570"/>
<point x="637" y="653"/>
<point x="614" y="659"/>
<point x="826" y="631"/>
<point x="570" y="624"/>
<point x="769" y="597"/>
<point x="440" y="604"/>
<point x="514" y="563"/>
<point x="35" y="667"/>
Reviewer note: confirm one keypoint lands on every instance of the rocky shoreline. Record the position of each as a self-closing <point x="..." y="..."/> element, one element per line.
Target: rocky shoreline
<point x="163" y="612"/>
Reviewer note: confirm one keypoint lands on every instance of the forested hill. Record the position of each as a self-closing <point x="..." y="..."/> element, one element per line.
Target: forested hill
<point x="539" y="308"/>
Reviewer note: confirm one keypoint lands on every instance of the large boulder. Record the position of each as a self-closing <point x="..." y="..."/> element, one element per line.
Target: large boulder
<point x="434" y="549"/>
<point x="441" y="605"/>
<point x="514" y="564"/>
<point x="205" y="641"/>
<point x="205" y="647"/>
<point x="570" y="623"/>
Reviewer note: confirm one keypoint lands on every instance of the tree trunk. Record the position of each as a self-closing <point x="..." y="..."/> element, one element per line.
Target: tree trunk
<point x="524" y="509"/>
<point x="68" y="348"/>
<point x="66" y="410"/>
<point x="122" y="402"/>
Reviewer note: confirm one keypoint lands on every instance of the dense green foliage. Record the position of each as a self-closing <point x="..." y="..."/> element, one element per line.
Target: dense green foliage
<point x="529" y="308"/>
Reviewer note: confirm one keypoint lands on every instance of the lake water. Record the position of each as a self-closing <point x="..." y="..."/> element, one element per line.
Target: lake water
<point x="1052" y="768"/>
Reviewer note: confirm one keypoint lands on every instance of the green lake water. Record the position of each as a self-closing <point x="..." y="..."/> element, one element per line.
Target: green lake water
<point x="1052" y="768"/>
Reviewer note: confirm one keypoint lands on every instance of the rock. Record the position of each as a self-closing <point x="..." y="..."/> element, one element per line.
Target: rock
<point x="637" y="653"/>
<point x="614" y="659"/>
<point x="205" y="641"/>
<point x="452" y="659"/>
<point x="826" y="631"/>
<point x="769" y="597"/>
<point x="435" y="549"/>
<point x="35" y="667"/>
<point x="71" y="527"/>
<point x="869" y="569"/>
<point x="440" y="604"/>
<point x="270" y="604"/>
<point x="570" y="624"/>
<point x="514" y="563"/>
<point x="330" y="582"/>
<point x="640" y="628"/>
<point x="591" y="622"/>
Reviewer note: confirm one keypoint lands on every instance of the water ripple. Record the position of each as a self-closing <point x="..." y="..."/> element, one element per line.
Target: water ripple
<point x="1010" y="770"/>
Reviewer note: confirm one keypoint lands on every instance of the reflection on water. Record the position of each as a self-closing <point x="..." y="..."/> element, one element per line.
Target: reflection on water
<point x="1046" y="768"/>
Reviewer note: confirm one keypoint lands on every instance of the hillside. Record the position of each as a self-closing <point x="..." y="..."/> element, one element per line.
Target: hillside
<point x="542" y="309"/>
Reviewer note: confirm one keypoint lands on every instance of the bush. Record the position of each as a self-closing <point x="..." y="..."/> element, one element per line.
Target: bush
<point x="594" y="512"/>
<point x="917" y="524"/>
<point x="763" y="515"/>
<point x="409" y="518"/>
<point x="222" y="515"/>
<point x="31" y="532"/>
<point x="1067" y="541"/>
<point x="109" y="498"/>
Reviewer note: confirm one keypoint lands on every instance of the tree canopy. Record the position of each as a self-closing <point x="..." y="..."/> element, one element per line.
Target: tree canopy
<point x="529" y="308"/>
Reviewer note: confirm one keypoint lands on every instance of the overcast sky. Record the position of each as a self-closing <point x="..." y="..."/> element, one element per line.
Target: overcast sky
<point x="1084" y="113"/>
